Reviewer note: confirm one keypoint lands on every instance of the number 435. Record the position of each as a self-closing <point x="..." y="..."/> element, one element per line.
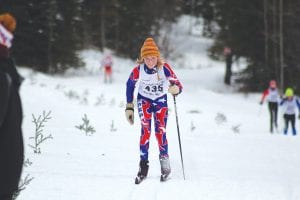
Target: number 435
<point x="154" y="88"/>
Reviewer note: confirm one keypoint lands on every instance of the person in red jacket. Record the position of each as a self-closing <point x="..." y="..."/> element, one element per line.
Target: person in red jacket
<point x="273" y="98"/>
<point x="107" y="63"/>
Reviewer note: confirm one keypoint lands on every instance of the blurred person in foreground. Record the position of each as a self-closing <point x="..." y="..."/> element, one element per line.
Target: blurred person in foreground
<point x="11" y="140"/>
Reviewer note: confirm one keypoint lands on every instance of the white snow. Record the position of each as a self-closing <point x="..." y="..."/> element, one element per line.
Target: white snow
<point x="228" y="151"/>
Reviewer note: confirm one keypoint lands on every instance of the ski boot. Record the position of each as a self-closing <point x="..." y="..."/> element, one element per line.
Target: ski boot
<point x="165" y="168"/>
<point x="143" y="171"/>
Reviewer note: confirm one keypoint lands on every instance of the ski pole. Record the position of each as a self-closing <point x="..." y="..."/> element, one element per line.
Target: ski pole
<point x="179" y="136"/>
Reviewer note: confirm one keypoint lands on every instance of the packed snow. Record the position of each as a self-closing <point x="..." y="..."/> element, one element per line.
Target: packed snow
<point x="228" y="152"/>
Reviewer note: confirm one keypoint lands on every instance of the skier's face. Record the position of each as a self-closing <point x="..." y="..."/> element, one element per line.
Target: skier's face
<point x="150" y="61"/>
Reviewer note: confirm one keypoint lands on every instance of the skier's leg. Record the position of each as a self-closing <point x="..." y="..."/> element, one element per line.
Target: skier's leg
<point x="276" y="114"/>
<point x="293" y="119"/>
<point x="145" y="113"/>
<point x="286" y="123"/>
<point x="160" y="117"/>
<point x="271" y="116"/>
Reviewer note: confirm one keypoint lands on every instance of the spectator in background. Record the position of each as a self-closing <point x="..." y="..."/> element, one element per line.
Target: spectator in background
<point x="11" y="140"/>
<point x="107" y="63"/>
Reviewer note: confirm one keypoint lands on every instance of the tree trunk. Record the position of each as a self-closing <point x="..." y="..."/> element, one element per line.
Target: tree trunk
<point x="266" y="33"/>
<point x="281" y="45"/>
<point x="103" y="39"/>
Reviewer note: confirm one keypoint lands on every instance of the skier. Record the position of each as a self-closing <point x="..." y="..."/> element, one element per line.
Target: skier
<point x="156" y="78"/>
<point x="107" y="65"/>
<point x="11" y="141"/>
<point x="290" y="103"/>
<point x="273" y="98"/>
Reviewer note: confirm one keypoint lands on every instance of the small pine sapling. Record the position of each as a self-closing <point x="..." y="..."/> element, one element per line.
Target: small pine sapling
<point x="22" y="186"/>
<point x="85" y="126"/>
<point x="112" y="127"/>
<point x="39" y="137"/>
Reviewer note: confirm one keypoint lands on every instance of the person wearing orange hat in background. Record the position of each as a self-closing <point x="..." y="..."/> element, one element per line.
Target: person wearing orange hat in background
<point x="107" y="63"/>
<point x="290" y="102"/>
<point x="273" y="98"/>
<point x="11" y="140"/>
<point x="156" y="78"/>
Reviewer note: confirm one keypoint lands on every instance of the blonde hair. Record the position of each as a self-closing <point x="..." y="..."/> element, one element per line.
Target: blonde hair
<point x="160" y="64"/>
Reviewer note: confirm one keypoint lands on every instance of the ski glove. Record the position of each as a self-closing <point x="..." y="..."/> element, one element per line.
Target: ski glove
<point x="129" y="112"/>
<point x="174" y="89"/>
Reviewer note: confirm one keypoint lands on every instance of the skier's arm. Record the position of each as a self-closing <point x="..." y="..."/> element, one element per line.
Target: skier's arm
<point x="298" y="103"/>
<point x="265" y="93"/>
<point x="172" y="77"/>
<point x="282" y="101"/>
<point x="130" y="85"/>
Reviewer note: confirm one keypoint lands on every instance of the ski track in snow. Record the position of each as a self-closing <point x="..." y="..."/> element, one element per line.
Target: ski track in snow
<point x="252" y="164"/>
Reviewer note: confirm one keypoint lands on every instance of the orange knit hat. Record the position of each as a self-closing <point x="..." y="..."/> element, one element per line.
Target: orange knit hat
<point x="8" y="21"/>
<point x="149" y="48"/>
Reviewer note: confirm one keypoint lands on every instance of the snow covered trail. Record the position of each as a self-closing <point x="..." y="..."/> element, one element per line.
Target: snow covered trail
<point x="228" y="152"/>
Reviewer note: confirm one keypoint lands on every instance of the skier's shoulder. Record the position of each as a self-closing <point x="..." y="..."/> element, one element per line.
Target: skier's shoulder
<point x="167" y="66"/>
<point x="168" y="69"/>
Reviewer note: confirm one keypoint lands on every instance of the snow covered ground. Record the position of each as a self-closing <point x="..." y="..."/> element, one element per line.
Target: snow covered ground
<point x="228" y="152"/>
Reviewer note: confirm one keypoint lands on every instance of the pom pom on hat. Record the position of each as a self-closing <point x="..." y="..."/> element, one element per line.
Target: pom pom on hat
<point x="8" y="21"/>
<point x="149" y="48"/>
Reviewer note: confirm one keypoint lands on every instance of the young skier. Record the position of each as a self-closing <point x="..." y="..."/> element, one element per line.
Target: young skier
<point x="273" y="98"/>
<point x="156" y="78"/>
<point x="290" y="103"/>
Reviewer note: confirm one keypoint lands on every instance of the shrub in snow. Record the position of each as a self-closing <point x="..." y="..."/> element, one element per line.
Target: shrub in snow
<point x="122" y="104"/>
<point x="100" y="100"/>
<point x="22" y="185"/>
<point x="236" y="128"/>
<point x="112" y="102"/>
<point x="112" y="127"/>
<point x="85" y="126"/>
<point x="194" y="111"/>
<point x="39" y="137"/>
<point x="84" y="99"/>
<point x="71" y="94"/>
<point x="27" y="163"/>
<point x="220" y="118"/>
<point x="193" y="127"/>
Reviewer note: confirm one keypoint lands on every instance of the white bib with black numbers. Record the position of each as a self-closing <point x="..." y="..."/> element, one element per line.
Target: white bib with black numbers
<point x="273" y="96"/>
<point x="154" y="85"/>
<point x="290" y="107"/>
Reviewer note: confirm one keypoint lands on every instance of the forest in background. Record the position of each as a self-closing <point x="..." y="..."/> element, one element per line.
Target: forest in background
<point x="266" y="33"/>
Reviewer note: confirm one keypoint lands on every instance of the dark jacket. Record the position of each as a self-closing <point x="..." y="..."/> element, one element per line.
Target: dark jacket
<point x="11" y="141"/>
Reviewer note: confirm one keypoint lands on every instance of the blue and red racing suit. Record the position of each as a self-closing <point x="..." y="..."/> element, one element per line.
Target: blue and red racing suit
<point x="152" y="99"/>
